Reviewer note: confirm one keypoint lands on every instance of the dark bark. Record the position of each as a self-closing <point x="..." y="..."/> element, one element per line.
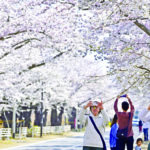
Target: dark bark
<point x="59" y="118"/>
<point x="10" y="34"/>
<point x="4" y="55"/>
<point x="54" y="116"/>
<point x="9" y="118"/>
<point x="144" y="68"/>
<point x="37" y="118"/>
<point x="27" y="119"/>
<point x="23" y="43"/>
<point x="35" y="65"/>
<point x="72" y="117"/>
<point x="142" y="27"/>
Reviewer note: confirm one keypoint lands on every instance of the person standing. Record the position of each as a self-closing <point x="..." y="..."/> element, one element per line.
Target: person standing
<point x="146" y="125"/>
<point x="92" y="140"/>
<point x="140" y="126"/>
<point x="113" y="132"/>
<point x="144" y="115"/>
<point x="125" y="122"/>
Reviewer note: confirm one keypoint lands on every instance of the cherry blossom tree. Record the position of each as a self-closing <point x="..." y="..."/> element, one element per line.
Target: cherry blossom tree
<point x="46" y="45"/>
<point x="124" y="26"/>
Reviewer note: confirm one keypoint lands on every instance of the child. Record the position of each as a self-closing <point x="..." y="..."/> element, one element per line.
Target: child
<point x="113" y="132"/>
<point x="139" y="142"/>
<point x="92" y="140"/>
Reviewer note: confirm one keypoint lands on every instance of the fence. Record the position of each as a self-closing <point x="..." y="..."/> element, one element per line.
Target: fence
<point x="23" y="131"/>
<point x="5" y="133"/>
<point x="51" y="130"/>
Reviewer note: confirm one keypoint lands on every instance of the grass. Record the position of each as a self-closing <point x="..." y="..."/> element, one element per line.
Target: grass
<point x="29" y="140"/>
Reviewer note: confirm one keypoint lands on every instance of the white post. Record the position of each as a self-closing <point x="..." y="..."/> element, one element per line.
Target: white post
<point x="6" y="119"/>
<point x="20" y="133"/>
<point x="14" y="121"/>
<point x="76" y="120"/>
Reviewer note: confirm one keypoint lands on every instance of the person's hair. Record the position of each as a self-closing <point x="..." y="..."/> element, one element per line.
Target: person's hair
<point x="114" y="120"/>
<point x="139" y="139"/>
<point x="125" y="105"/>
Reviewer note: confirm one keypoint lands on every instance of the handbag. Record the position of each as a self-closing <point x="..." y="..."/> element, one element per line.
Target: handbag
<point x="104" y="144"/>
<point x="123" y="133"/>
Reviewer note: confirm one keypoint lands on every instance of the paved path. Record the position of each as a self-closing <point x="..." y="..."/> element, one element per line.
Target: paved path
<point x="68" y="143"/>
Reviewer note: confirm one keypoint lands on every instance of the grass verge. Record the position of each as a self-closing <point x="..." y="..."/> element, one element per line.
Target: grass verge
<point x="29" y="140"/>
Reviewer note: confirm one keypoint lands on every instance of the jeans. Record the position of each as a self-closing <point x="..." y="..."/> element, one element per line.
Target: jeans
<point x="91" y="148"/>
<point x="145" y="130"/>
<point x="140" y="128"/>
<point x="113" y="148"/>
<point x="127" y="141"/>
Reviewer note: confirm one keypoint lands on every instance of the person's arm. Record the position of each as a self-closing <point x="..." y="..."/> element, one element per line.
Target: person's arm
<point x="116" y="105"/>
<point x="82" y="117"/>
<point x="104" y="114"/>
<point x="130" y="102"/>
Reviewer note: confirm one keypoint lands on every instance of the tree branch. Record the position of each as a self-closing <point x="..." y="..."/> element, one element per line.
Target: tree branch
<point x="139" y="54"/>
<point x="15" y="33"/>
<point x="18" y="32"/>
<point x="40" y="64"/>
<point x="4" y="55"/>
<point x="141" y="67"/>
<point x="43" y="32"/>
<point x="17" y="45"/>
<point x="142" y="27"/>
<point x="35" y="65"/>
<point x="58" y="55"/>
<point x="32" y="67"/>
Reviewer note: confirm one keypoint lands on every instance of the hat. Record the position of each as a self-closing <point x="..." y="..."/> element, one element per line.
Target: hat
<point x="94" y="103"/>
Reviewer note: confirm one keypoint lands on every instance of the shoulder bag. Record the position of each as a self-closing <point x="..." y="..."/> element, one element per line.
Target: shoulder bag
<point x="104" y="145"/>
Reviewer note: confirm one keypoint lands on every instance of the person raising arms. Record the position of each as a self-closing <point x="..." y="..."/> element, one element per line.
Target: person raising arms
<point x="96" y="119"/>
<point x="125" y="124"/>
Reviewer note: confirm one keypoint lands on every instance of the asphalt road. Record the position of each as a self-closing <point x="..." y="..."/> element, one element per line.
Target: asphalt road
<point x="69" y="143"/>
